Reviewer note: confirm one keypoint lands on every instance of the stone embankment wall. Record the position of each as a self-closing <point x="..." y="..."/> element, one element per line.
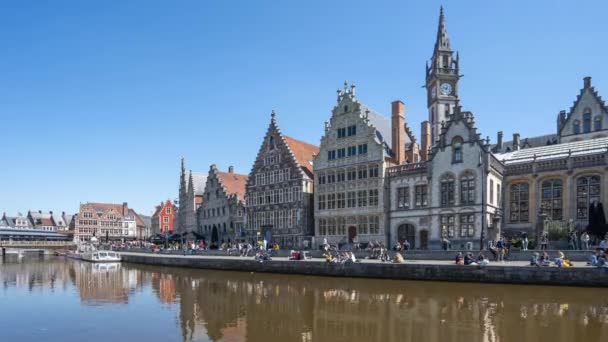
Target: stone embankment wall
<point x="487" y="274"/>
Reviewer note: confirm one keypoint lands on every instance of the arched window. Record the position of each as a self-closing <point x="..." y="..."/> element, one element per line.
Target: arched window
<point x="457" y="150"/>
<point x="587" y="191"/>
<point x="576" y="127"/>
<point x="597" y="123"/>
<point x="519" y="197"/>
<point x="551" y="199"/>
<point x="467" y="189"/>
<point x="587" y="121"/>
<point x="447" y="191"/>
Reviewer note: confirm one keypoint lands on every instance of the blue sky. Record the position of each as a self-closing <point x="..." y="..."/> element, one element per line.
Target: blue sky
<point x="99" y="100"/>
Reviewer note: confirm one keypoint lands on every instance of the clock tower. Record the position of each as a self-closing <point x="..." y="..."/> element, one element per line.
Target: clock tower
<point x="441" y="80"/>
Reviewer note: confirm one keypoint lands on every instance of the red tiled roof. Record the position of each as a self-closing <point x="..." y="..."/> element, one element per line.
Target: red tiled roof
<point x="303" y="152"/>
<point x="46" y="222"/>
<point x="234" y="183"/>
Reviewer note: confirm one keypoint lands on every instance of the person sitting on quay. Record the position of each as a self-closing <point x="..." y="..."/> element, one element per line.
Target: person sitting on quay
<point x="545" y="260"/>
<point x="604" y="243"/>
<point x="398" y="246"/>
<point x="406" y="245"/>
<point x="459" y="259"/>
<point x="398" y="258"/>
<point x="561" y="260"/>
<point x="535" y="259"/>
<point x="468" y="259"/>
<point x="482" y="260"/>
<point x="352" y="257"/>
<point x="595" y="258"/>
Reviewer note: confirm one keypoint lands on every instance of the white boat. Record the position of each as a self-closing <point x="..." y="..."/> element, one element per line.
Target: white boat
<point x="88" y="252"/>
<point x="101" y="256"/>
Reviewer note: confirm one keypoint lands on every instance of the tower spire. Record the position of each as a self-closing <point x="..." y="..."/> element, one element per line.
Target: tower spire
<point x="443" y="42"/>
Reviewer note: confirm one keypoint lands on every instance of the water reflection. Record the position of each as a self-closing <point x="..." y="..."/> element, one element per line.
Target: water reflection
<point x="227" y="306"/>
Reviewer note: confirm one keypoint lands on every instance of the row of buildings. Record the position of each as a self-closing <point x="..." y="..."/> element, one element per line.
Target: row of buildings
<point x="372" y="179"/>
<point x="36" y="225"/>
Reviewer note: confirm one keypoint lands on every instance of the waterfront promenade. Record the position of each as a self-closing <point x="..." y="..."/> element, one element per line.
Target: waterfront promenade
<point x="509" y="272"/>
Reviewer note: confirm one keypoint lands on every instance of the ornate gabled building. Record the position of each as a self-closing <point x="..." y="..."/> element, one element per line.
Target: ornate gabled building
<point x="355" y="151"/>
<point x="221" y="216"/>
<point x="454" y="195"/>
<point x="191" y="188"/>
<point x="279" y="191"/>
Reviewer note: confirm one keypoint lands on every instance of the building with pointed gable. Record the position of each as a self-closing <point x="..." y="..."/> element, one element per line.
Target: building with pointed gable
<point x="163" y="218"/>
<point x="279" y="190"/>
<point x="357" y="147"/>
<point x="221" y="216"/>
<point x="191" y="188"/>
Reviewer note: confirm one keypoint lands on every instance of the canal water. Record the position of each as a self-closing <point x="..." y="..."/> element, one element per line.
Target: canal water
<point x="54" y="299"/>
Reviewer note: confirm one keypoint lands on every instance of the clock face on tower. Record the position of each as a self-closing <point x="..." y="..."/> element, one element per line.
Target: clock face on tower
<point x="446" y="88"/>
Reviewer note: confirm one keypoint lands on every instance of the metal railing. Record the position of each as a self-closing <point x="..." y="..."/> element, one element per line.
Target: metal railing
<point x="13" y="243"/>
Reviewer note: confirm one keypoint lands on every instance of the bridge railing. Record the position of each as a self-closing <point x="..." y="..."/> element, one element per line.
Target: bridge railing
<point x="13" y="243"/>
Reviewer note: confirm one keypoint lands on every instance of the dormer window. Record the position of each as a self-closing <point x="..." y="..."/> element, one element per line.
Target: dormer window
<point x="597" y="123"/>
<point x="576" y="127"/>
<point x="587" y="121"/>
<point x="457" y="150"/>
<point x="345" y="109"/>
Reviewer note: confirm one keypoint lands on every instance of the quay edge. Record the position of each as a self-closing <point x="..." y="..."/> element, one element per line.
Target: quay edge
<point x="589" y="277"/>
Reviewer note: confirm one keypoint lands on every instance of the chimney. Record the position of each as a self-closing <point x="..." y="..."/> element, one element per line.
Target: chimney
<point x="499" y="141"/>
<point x="587" y="82"/>
<point x="398" y="128"/>
<point x="231" y="169"/>
<point x="51" y="212"/>
<point x="39" y="211"/>
<point x="125" y="208"/>
<point x="516" y="143"/>
<point x="426" y="140"/>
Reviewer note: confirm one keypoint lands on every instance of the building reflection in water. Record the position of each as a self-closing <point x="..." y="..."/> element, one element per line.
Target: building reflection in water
<point x="240" y="306"/>
<point x="229" y="306"/>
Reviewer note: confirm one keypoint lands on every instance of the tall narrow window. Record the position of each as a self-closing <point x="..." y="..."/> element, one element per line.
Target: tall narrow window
<point x="491" y="191"/>
<point x="467" y="225"/>
<point x="448" y="226"/>
<point x="421" y="196"/>
<point x="457" y="150"/>
<point x="551" y="199"/>
<point x="447" y="191"/>
<point x="403" y="198"/>
<point x="518" y="202"/>
<point x="576" y="127"/>
<point x="587" y="192"/>
<point x="587" y="121"/>
<point x="271" y="143"/>
<point x="467" y="189"/>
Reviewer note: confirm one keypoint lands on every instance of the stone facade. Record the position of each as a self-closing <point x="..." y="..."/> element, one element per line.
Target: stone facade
<point x="555" y="183"/>
<point x="280" y="190"/>
<point x="450" y="196"/>
<point x="350" y="205"/>
<point x="221" y="216"/>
